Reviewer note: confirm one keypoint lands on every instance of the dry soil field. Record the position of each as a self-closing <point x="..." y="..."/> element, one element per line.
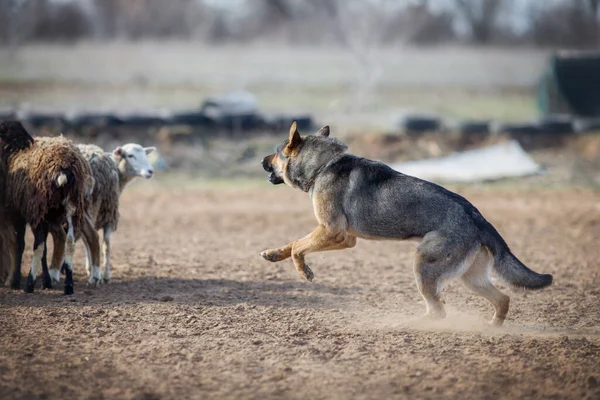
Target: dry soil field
<point x="193" y="312"/>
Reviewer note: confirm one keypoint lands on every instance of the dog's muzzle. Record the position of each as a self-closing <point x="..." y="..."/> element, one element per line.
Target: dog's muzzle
<point x="267" y="166"/>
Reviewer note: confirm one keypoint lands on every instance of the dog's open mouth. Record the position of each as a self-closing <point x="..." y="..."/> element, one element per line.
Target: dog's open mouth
<point x="274" y="179"/>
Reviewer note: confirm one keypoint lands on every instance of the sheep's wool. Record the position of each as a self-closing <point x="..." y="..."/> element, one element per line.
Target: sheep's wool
<point x="104" y="207"/>
<point x="7" y="236"/>
<point x="35" y="182"/>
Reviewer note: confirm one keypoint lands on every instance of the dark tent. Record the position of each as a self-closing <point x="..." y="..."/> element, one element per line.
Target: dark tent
<point x="571" y="85"/>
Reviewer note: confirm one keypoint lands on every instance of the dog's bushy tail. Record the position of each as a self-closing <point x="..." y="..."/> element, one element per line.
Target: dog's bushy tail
<point x="509" y="268"/>
<point x="517" y="275"/>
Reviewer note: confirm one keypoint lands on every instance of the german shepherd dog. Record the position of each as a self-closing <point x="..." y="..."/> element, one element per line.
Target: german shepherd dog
<point x="358" y="198"/>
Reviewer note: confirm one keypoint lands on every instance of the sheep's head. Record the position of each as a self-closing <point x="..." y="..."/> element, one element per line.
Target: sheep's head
<point x="132" y="160"/>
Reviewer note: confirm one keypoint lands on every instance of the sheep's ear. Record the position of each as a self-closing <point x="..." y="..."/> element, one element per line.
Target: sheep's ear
<point x="118" y="151"/>
<point x="294" y="139"/>
<point x="149" y="150"/>
<point x="324" y="131"/>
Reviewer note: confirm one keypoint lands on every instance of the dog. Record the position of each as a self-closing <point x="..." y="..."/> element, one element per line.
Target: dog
<point x="354" y="197"/>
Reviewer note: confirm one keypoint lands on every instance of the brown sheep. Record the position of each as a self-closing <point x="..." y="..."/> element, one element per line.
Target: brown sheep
<point x="9" y="143"/>
<point x="7" y="234"/>
<point x="45" y="188"/>
<point x="7" y="245"/>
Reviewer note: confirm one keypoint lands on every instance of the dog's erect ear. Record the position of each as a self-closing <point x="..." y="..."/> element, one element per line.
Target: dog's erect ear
<point x="294" y="139"/>
<point x="118" y="151"/>
<point x="324" y="131"/>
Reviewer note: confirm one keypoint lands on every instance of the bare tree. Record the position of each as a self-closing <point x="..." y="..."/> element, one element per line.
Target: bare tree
<point x="360" y="26"/>
<point x="594" y="5"/>
<point x="105" y="19"/>
<point x="147" y="18"/>
<point x="59" y="21"/>
<point x="17" y="19"/>
<point x="278" y="10"/>
<point x="569" y="24"/>
<point x="481" y="17"/>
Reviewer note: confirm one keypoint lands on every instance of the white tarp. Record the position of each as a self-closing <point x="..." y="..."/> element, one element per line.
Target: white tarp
<point x="503" y="160"/>
<point x="157" y="161"/>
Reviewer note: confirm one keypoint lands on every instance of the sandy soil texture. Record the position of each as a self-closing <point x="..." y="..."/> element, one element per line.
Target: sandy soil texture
<point x="193" y="312"/>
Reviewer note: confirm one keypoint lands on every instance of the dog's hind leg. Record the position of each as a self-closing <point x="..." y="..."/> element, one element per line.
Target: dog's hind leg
<point x="477" y="279"/>
<point x="440" y="257"/>
<point x="428" y="283"/>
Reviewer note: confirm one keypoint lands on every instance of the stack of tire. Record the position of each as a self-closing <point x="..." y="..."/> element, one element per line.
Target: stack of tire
<point x="417" y="124"/>
<point x="232" y="113"/>
<point x="278" y="123"/>
<point x="7" y="114"/>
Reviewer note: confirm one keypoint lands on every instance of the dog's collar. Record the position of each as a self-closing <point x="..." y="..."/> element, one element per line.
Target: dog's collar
<point x="311" y="182"/>
<point x="309" y="185"/>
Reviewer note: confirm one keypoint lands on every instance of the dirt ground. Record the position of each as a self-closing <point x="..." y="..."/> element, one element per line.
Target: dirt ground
<point x="193" y="312"/>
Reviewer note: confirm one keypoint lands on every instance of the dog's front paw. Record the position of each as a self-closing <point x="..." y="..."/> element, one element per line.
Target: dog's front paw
<point x="271" y="255"/>
<point x="306" y="272"/>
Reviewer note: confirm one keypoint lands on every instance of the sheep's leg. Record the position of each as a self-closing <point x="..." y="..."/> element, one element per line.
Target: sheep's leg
<point x="68" y="261"/>
<point x="88" y="261"/>
<point x="20" y="225"/>
<point x="59" y="238"/>
<point x="39" y="246"/>
<point x="92" y="249"/>
<point x="46" y="279"/>
<point x="88" y="256"/>
<point x="106" y="254"/>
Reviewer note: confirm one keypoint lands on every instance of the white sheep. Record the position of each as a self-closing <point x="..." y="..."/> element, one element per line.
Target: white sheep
<point x="112" y="171"/>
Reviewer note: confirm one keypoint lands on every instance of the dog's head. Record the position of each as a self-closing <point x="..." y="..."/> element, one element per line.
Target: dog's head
<point x="298" y="160"/>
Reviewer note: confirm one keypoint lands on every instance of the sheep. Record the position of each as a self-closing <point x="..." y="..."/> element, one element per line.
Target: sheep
<point x="7" y="245"/>
<point x="92" y="247"/>
<point x="112" y="173"/>
<point x="46" y="186"/>
<point x="9" y="143"/>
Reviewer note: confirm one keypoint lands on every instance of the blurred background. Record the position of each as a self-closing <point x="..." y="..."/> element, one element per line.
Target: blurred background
<point x="215" y="84"/>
